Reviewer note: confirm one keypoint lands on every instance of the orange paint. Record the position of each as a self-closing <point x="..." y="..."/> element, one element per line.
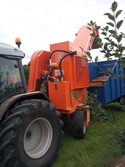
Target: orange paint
<point x="38" y="63"/>
<point x="60" y="94"/>
<point x="54" y="65"/>
<point x="75" y="72"/>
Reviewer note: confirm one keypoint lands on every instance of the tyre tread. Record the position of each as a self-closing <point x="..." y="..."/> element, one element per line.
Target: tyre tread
<point x="11" y="123"/>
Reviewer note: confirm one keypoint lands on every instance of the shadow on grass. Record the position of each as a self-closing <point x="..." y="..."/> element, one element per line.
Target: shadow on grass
<point x="116" y="106"/>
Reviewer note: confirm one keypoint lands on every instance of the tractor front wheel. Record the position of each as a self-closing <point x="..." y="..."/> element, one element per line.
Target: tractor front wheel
<point x="31" y="135"/>
<point x="79" y="124"/>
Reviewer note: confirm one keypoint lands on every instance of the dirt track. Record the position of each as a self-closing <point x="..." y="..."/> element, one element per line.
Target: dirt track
<point x="119" y="163"/>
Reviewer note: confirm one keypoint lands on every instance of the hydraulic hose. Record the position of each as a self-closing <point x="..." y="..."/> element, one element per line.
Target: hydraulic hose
<point x="51" y="57"/>
<point x="60" y="63"/>
<point x="58" y="51"/>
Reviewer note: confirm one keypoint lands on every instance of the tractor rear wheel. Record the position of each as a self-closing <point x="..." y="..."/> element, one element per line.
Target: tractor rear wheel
<point x="31" y="135"/>
<point x="79" y="124"/>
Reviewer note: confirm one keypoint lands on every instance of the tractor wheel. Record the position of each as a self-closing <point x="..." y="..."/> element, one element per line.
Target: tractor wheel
<point x="78" y="124"/>
<point x="122" y="100"/>
<point x="31" y="135"/>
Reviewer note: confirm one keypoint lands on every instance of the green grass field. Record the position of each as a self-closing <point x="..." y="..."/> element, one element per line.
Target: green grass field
<point x="98" y="149"/>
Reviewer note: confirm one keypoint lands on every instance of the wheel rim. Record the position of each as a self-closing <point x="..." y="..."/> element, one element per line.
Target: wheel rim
<point x="84" y="124"/>
<point x="38" y="138"/>
<point x="84" y="129"/>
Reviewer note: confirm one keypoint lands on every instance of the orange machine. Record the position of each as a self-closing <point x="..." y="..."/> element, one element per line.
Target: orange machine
<point x="64" y="71"/>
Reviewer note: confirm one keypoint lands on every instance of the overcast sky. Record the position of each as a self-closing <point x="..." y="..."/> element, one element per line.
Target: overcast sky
<point x="40" y="23"/>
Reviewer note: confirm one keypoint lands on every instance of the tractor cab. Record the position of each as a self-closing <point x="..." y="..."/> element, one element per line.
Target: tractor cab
<point x="12" y="80"/>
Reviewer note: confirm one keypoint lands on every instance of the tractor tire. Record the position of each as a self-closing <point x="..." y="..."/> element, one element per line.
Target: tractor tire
<point x="78" y="124"/>
<point x="122" y="100"/>
<point x="31" y="135"/>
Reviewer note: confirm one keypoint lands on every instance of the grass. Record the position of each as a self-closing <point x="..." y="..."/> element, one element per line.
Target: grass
<point x="98" y="149"/>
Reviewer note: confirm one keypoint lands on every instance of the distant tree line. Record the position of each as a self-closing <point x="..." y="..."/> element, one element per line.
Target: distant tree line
<point x="26" y="71"/>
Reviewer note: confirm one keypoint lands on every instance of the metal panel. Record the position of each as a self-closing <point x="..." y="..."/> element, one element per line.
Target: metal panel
<point x="23" y="96"/>
<point x="114" y="87"/>
<point x="6" y="49"/>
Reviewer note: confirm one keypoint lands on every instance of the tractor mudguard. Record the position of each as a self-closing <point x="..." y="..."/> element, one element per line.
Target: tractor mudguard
<point x="24" y="96"/>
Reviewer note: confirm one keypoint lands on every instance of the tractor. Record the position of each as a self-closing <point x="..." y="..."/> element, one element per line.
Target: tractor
<point x="30" y="127"/>
<point x="30" y="124"/>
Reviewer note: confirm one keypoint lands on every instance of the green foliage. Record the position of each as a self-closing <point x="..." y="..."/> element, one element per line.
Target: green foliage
<point x="118" y="13"/>
<point x="111" y="44"/>
<point x="120" y="136"/>
<point x="114" y="6"/>
<point x="97" y="111"/>
<point x="96" y="58"/>
<point x="26" y="71"/>
<point x="98" y="149"/>
<point x="112" y="47"/>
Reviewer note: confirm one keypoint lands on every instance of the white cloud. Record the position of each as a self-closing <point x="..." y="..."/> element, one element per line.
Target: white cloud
<point x="42" y="22"/>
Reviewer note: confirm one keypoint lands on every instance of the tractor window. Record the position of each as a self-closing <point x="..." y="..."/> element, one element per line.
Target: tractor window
<point x="10" y="79"/>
